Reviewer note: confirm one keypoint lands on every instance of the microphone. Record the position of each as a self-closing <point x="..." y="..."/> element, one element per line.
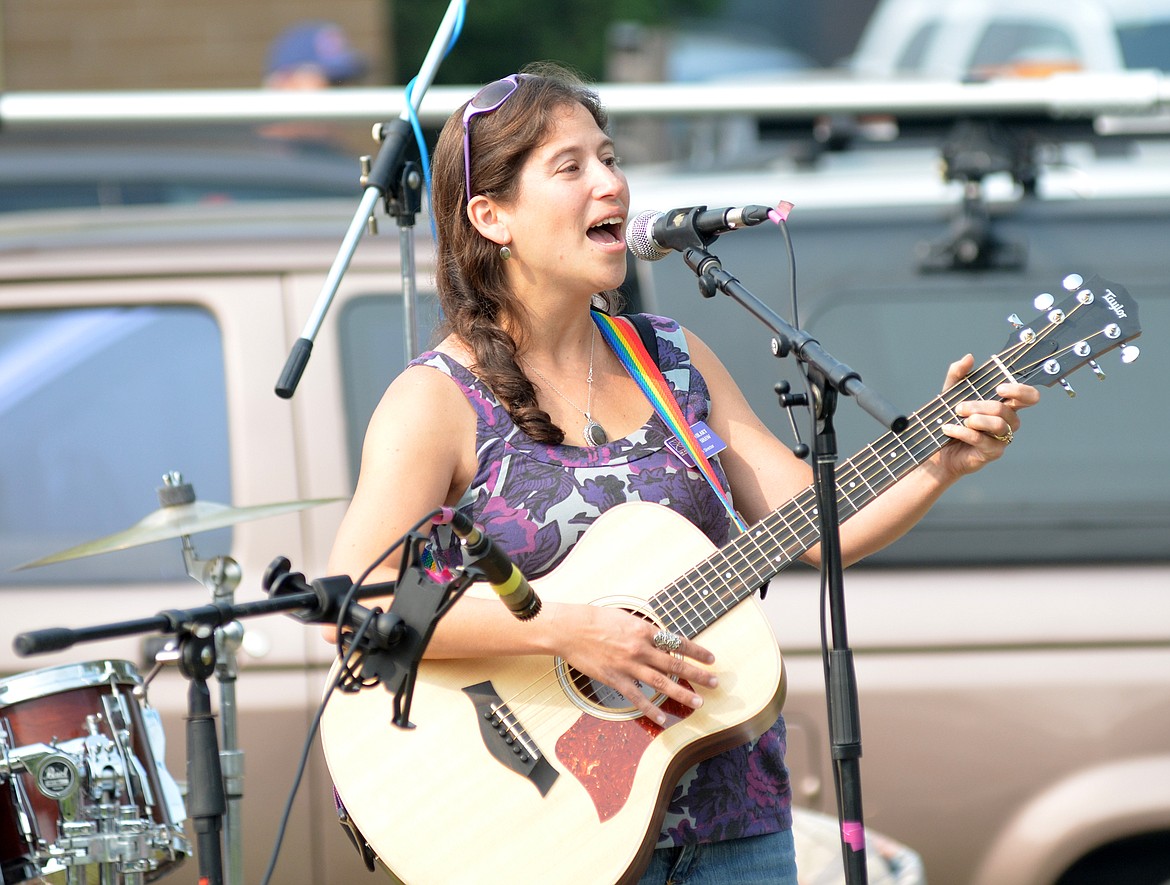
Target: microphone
<point x="501" y="573"/>
<point x="653" y="235"/>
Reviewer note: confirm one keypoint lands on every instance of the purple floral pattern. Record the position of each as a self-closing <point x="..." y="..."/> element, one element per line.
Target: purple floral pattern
<point x="536" y="500"/>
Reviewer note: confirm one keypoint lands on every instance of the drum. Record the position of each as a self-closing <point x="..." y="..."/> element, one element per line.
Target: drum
<point x="87" y="783"/>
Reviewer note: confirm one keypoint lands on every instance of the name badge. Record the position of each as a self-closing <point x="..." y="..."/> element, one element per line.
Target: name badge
<point x="709" y="443"/>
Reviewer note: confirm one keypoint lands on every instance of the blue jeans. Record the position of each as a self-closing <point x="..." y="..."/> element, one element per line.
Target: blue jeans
<point x="755" y="860"/>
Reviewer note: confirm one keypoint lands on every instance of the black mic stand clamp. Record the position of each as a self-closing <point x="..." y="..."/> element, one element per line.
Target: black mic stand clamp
<point x="392" y="644"/>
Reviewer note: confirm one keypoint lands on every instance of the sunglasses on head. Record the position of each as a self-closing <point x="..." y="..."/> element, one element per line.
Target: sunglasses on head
<point x="488" y="99"/>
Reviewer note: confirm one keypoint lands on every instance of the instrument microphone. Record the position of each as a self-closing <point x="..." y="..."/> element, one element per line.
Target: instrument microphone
<point x="501" y="573"/>
<point x="652" y="235"/>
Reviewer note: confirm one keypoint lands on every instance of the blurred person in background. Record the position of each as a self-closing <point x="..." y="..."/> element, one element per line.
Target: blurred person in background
<point x="313" y="55"/>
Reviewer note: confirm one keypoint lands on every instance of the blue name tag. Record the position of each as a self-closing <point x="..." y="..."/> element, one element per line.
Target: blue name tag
<point x="707" y="439"/>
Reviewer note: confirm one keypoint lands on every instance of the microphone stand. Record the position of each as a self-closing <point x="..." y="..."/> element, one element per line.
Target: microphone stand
<point x="827" y="378"/>
<point x="399" y="183"/>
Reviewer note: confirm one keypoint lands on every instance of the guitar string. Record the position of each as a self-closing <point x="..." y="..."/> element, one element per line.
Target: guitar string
<point x="912" y="445"/>
<point x="551" y="684"/>
<point x="915" y="447"/>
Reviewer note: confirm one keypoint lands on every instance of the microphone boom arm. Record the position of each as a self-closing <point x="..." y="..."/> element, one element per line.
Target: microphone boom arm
<point x="386" y="175"/>
<point x="805" y="348"/>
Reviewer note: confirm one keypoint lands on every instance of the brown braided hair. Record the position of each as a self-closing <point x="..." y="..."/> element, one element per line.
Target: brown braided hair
<point x="477" y="302"/>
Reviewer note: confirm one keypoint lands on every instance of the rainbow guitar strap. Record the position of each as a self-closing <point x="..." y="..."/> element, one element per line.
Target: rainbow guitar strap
<point x="620" y="334"/>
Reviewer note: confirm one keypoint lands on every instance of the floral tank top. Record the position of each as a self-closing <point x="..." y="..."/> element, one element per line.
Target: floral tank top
<point x="536" y="500"/>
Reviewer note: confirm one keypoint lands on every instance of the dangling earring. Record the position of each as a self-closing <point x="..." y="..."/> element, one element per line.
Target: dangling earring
<point x="505" y="253"/>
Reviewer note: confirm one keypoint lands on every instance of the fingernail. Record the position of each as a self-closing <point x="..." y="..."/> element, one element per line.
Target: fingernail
<point x="696" y="702"/>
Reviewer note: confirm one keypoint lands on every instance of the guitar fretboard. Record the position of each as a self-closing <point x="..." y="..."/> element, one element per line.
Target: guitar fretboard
<point x="1098" y="317"/>
<point x="697" y="599"/>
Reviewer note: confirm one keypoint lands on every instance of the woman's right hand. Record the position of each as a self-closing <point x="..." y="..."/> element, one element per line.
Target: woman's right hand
<point x="617" y="648"/>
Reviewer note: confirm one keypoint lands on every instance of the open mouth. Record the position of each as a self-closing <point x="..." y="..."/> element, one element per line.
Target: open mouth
<point x="607" y="232"/>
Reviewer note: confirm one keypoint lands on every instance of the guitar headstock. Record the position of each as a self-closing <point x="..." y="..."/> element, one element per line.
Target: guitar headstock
<point x="1098" y="316"/>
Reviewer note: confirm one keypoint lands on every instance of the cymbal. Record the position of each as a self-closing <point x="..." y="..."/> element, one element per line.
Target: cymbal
<point x="175" y="521"/>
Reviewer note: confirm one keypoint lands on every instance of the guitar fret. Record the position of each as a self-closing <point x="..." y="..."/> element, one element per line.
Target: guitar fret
<point x="672" y="614"/>
<point x="857" y="496"/>
<point x="754" y="538"/>
<point x="748" y="564"/>
<point x="729" y="577"/>
<point x="938" y="440"/>
<point x="975" y="390"/>
<point x="703" y="597"/>
<point x="783" y="559"/>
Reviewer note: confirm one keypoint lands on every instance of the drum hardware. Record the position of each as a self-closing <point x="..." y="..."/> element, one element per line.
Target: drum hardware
<point x="91" y="800"/>
<point x="195" y="629"/>
<point x="207" y="644"/>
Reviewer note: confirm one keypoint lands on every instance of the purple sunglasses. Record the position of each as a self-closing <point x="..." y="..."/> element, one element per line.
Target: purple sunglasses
<point x="488" y="99"/>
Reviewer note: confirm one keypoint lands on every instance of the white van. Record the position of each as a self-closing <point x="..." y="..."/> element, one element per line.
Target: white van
<point x="977" y="39"/>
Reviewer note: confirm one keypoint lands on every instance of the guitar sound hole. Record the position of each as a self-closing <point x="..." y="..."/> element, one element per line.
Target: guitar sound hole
<point x="594" y="696"/>
<point x="598" y="698"/>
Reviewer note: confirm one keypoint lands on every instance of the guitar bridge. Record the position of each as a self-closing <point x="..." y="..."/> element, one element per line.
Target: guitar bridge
<point x="507" y="740"/>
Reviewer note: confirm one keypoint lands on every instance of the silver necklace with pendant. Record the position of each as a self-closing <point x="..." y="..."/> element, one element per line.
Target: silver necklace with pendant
<point x="593" y="432"/>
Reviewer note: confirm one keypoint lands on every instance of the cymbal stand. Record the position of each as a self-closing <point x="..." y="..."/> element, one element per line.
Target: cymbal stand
<point x="221" y="576"/>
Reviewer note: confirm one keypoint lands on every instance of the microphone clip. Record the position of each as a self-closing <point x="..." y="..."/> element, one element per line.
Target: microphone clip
<point x="680" y="230"/>
<point x="391" y="642"/>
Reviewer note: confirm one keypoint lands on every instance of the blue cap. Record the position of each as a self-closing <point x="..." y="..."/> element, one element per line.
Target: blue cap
<point x="316" y="43"/>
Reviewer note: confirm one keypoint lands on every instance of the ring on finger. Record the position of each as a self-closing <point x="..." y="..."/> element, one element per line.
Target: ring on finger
<point x="667" y="641"/>
<point x="1004" y="438"/>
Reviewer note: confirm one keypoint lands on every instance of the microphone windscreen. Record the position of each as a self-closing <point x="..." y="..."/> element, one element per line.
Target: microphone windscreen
<point x="640" y="237"/>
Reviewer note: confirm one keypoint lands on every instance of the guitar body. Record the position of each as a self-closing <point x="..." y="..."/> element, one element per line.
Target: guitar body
<point x="437" y="804"/>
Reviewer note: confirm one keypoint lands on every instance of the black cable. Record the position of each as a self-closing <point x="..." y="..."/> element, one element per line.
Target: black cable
<point x="344" y="673"/>
<point x="355" y="644"/>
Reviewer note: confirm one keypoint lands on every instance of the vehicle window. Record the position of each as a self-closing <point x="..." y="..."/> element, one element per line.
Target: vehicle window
<point x="1146" y="45"/>
<point x="914" y="55"/>
<point x="96" y="405"/>
<point x="373" y="349"/>
<point x="1082" y="482"/>
<point x="1012" y="42"/>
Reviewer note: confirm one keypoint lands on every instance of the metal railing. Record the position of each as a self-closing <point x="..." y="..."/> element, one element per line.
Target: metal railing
<point x="1135" y="96"/>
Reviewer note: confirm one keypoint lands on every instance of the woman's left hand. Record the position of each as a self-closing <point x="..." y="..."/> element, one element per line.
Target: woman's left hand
<point x="988" y="427"/>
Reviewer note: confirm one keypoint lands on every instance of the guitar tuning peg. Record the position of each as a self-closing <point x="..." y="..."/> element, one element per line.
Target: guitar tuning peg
<point x="1097" y="370"/>
<point x="1043" y="301"/>
<point x="1015" y="321"/>
<point x="1067" y="387"/>
<point x="1129" y="353"/>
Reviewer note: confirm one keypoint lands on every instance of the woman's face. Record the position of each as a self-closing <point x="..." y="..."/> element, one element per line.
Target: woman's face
<point x="567" y="223"/>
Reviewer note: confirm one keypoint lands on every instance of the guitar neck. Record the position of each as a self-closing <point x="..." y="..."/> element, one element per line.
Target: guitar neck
<point x="713" y="587"/>
<point x="1097" y="317"/>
